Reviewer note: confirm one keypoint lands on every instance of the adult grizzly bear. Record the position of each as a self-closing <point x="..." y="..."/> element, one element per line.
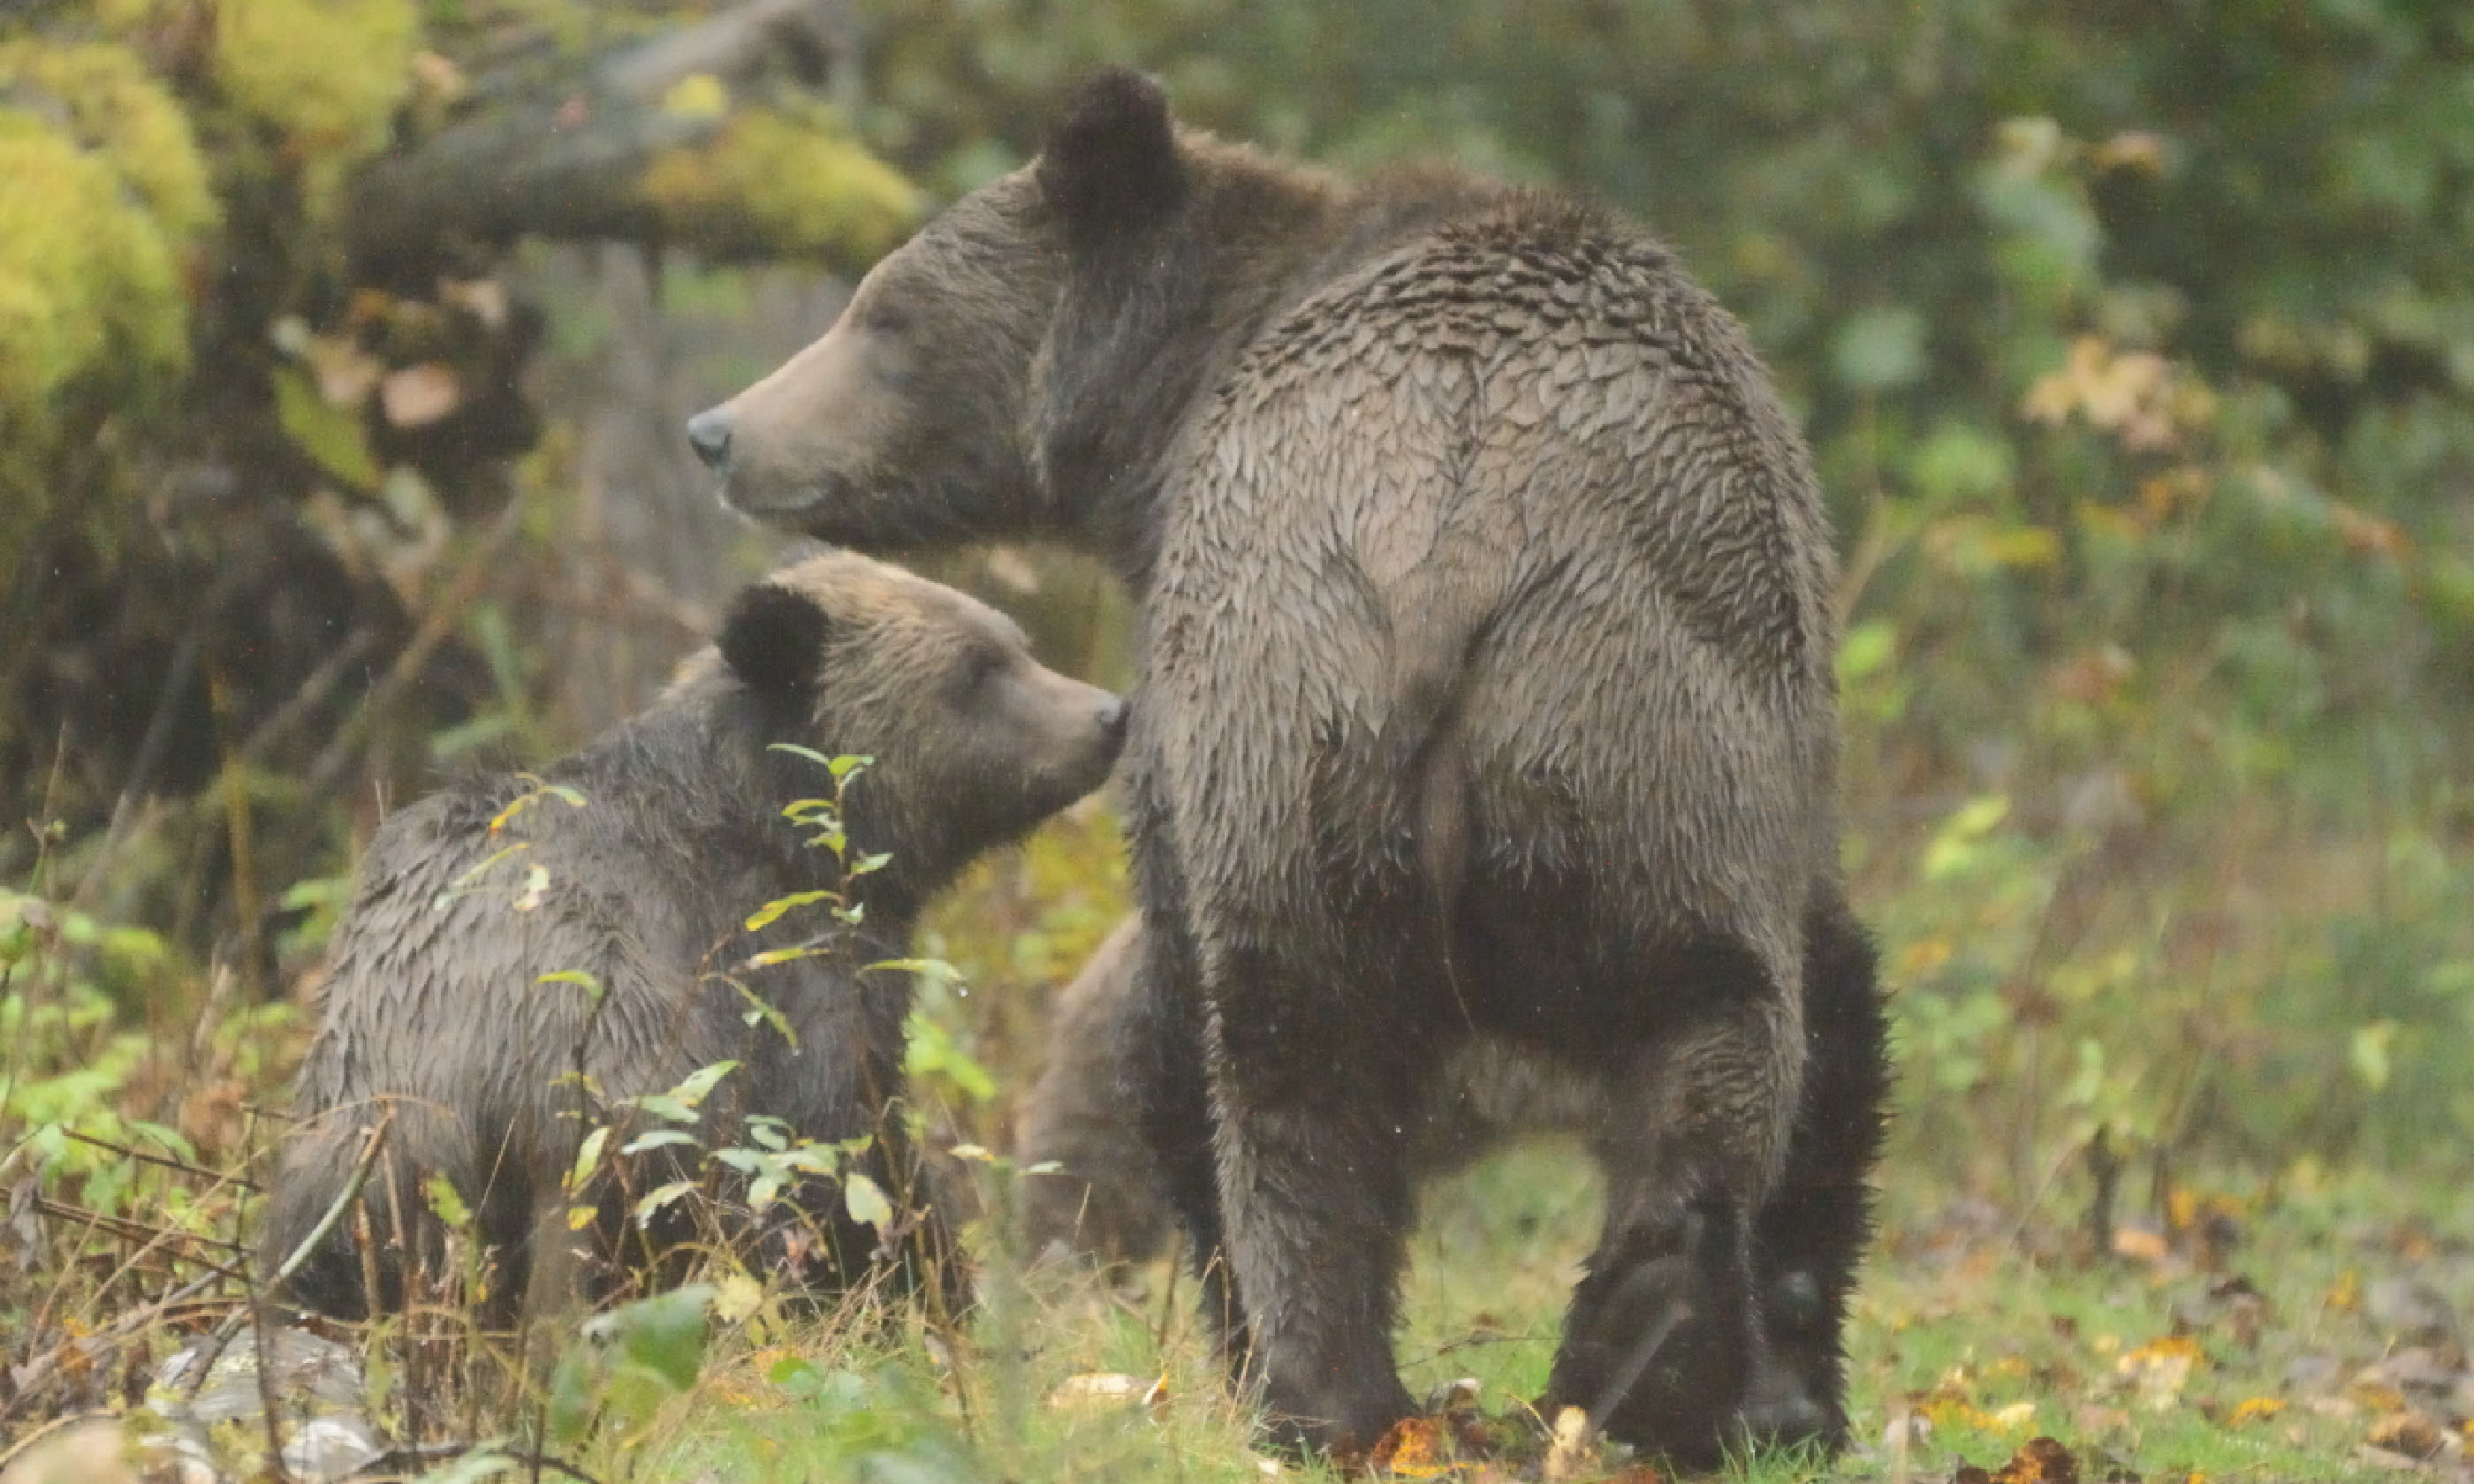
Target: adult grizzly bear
<point x="436" y="1007"/>
<point x="1486" y="697"/>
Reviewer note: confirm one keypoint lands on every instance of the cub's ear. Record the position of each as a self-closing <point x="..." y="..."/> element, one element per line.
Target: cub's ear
<point x="1110" y="165"/>
<point x="774" y="638"/>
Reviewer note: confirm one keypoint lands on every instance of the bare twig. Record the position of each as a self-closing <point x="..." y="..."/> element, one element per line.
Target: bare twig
<point x="1628" y="1375"/>
<point x="32" y="1375"/>
<point x="343" y="1201"/>
<point x="328" y="772"/>
<point x="158" y="732"/>
<point x="269" y="1412"/>
<point x="565" y="161"/>
<point x="131" y="1231"/>
<point x="312" y="694"/>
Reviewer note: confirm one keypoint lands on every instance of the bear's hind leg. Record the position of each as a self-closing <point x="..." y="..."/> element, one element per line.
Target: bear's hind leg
<point x="1811" y="1233"/>
<point x="1665" y="1338"/>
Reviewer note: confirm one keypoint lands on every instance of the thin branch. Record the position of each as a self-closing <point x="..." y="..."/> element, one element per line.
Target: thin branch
<point x="343" y="1201"/>
<point x="565" y="161"/>
<point x="328" y="772"/>
<point x="312" y="694"/>
<point x="131" y="1231"/>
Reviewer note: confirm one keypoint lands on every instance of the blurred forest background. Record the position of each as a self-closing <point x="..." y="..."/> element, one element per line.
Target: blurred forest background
<point x="344" y="346"/>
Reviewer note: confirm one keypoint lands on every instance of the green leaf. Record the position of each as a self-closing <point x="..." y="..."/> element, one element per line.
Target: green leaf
<point x="808" y="752"/>
<point x="866" y="1201"/>
<point x="1867" y="648"/>
<point x="328" y="434"/>
<point x="572" y="1395"/>
<point x="790" y="1370"/>
<point x="659" y="1138"/>
<point x="2369" y="1053"/>
<point x="660" y="1196"/>
<point x="772" y="956"/>
<point x="1880" y="349"/>
<point x="445" y="1203"/>
<point x="1955" y="845"/>
<point x="665" y="1333"/>
<point x="463" y="885"/>
<point x="588" y="1159"/>
<point x="694" y="1089"/>
<point x="933" y="970"/>
<point x="590" y="986"/>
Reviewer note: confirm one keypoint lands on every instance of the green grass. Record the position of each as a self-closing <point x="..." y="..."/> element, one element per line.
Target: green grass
<point x="1989" y="1330"/>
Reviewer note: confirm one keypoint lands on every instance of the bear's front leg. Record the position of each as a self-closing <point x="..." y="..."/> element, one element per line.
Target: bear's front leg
<point x="1311" y="1093"/>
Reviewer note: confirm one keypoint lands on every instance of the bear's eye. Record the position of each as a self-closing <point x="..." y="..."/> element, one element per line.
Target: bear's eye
<point x="982" y="667"/>
<point x="886" y="318"/>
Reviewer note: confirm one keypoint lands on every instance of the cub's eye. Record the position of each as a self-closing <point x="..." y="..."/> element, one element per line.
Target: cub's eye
<point x="886" y="318"/>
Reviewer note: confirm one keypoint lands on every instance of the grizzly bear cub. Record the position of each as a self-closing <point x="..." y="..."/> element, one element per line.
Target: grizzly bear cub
<point x="606" y="919"/>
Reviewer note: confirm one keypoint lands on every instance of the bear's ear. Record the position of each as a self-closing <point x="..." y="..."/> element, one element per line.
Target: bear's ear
<point x="774" y="638"/>
<point x="1110" y="164"/>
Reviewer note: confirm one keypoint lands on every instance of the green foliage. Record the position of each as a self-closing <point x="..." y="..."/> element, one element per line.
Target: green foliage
<point x="784" y="182"/>
<point x="324" y="74"/>
<point x="631" y="1360"/>
<point x="107" y="190"/>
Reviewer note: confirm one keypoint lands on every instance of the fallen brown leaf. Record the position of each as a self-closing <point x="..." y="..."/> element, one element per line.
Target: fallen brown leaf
<point x="1415" y="1448"/>
<point x="2039" y="1461"/>
<point x="2410" y="1433"/>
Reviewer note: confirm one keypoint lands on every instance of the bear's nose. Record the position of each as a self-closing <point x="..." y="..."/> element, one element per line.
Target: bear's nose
<point x="708" y="435"/>
<point x="1112" y="716"/>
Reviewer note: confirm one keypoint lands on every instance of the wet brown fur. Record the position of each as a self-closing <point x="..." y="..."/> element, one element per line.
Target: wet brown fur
<point x="435" y="1011"/>
<point x="1487" y="703"/>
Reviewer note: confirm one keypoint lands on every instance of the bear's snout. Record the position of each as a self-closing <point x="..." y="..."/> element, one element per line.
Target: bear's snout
<point x="708" y="435"/>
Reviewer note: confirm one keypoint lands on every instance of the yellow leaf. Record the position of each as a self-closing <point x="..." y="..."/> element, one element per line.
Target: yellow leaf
<point x="697" y="95"/>
<point x="2024" y="546"/>
<point x="2254" y="1410"/>
<point x="2146" y="1246"/>
<point x="2162" y="1368"/>
<point x="2134" y="150"/>
<point x="1922" y="957"/>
